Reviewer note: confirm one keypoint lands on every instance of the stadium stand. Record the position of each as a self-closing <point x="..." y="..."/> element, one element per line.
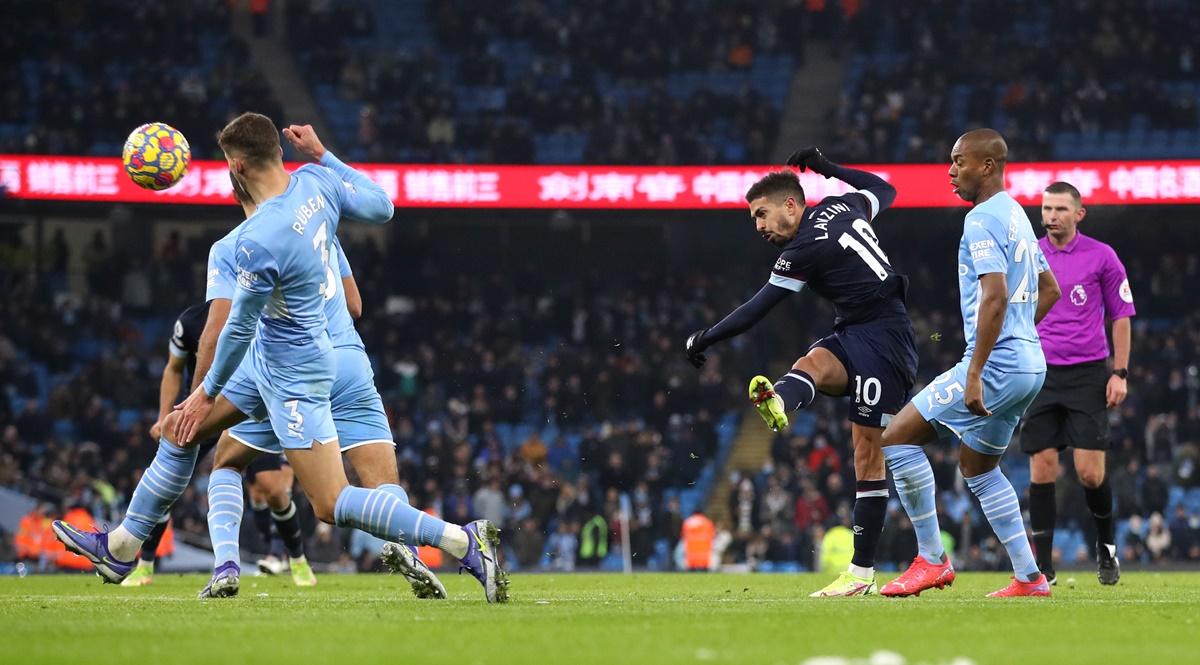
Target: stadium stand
<point x="523" y="82"/>
<point x="63" y="94"/>
<point x="1121" y="82"/>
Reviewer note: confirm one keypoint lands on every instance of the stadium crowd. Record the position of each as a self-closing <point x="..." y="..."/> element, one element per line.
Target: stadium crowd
<point x="61" y="92"/>
<point x="550" y="82"/>
<point x="1123" y="78"/>
<point x="535" y="395"/>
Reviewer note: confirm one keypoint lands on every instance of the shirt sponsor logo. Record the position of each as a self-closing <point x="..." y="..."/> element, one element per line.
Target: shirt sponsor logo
<point x="962" y="270"/>
<point x="212" y="277"/>
<point x="246" y="279"/>
<point x="783" y="265"/>
<point x="1125" y="292"/>
<point x="982" y="249"/>
<point x="1078" y="296"/>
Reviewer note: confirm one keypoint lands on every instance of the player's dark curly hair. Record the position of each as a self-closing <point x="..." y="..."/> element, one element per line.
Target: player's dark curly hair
<point x="777" y="183"/>
<point x="252" y="137"/>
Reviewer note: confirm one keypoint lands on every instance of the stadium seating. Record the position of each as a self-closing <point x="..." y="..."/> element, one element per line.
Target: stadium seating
<point x="517" y="83"/>
<point x="1098" y="91"/>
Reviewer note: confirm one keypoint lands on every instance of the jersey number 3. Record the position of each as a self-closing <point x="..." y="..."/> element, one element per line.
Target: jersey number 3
<point x="873" y="257"/>
<point x="321" y="244"/>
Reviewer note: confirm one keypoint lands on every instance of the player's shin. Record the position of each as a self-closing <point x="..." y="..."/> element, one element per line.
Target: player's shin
<point x="870" y="509"/>
<point x="287" y="523"/>
<point x="225" y="509"/>
<point x="382" y="513"/>
<point x="1003" y="512"/>
<point x="161" y="485"/>
<point x="796" y="389"/>
<point x="915" y="486"/>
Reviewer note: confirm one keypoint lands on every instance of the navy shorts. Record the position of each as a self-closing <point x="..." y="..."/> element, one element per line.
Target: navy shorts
<point x="264" y="462"/>
<point x="880" y="358"/>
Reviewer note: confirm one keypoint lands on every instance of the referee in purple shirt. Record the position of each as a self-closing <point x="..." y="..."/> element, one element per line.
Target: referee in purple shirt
<point x="1072" y="409"/>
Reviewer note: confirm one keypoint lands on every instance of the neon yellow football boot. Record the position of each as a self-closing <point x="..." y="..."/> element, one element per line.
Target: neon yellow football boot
<point x="302" y="572"/>
<point x="769" y="405"/>
<point x="848" y="584"/>
<point x="141" y="576"/>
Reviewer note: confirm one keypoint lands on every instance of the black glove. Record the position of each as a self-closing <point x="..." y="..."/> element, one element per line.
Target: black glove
<point x="695" y="348"/>
<point x="810" y="157"/>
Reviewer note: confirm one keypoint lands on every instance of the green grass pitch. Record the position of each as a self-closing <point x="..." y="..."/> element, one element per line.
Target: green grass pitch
<point x="585" y="618"/>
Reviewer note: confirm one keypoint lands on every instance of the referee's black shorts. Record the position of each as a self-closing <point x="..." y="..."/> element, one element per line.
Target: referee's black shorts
<point x="1071" y="411"/>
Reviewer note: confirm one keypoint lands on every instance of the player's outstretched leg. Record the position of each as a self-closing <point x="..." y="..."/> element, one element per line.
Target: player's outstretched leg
<point x="144" y="573"/>
<point x="112" y="554"/>
<point x="161" y="485"/>
<point x="383" y="514"/>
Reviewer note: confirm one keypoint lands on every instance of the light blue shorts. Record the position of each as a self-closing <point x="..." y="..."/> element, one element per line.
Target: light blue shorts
<point x="293" y="400"/>
<point x="1006" y="394"/>
<point x="358" y="415"/>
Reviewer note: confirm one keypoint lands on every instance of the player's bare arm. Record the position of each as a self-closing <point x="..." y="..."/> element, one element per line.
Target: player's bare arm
<point x="993" y="302"/>
<point x="1122" y="335"/>
<point x="354" y="302"/>
<point x="168" y="391"/>
<point x="218" y="313"/>
<point x="1048" y="294"/>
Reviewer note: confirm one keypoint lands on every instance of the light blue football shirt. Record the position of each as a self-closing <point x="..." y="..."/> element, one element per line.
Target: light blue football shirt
<point x="286" y="264"/>
<point x="998" y="237"/>
<point x="222" y="282"/>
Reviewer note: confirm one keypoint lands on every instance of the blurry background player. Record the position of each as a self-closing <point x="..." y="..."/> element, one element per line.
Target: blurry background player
<point x="1072" y="409"/>
<point x="1005" y="288"/>
<point x="872" y="353"/>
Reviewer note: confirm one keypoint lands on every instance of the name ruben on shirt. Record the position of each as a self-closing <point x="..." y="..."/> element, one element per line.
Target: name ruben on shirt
<point x="305" y="212"/>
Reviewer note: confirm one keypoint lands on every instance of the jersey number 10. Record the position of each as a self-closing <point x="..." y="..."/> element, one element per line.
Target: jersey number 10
<point x="873" y="257"/>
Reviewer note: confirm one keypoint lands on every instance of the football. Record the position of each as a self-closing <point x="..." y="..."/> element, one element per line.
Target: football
<point x="156" y="156"/>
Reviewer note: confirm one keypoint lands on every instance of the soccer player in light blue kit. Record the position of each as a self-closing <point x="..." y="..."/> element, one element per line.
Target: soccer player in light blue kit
<point x="362" y="426"/>
<point x="284" y="277"/>
<point x="1006" y="287"/>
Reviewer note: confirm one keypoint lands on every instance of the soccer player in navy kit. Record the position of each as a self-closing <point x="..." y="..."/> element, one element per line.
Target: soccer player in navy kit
<point x="832" y="250"/>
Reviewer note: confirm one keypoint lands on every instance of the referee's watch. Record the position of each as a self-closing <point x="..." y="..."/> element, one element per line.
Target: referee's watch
<point x="1123" y="373"/>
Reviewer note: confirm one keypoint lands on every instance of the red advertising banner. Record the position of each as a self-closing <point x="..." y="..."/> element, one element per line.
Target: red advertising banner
<point x="604" y="187"/>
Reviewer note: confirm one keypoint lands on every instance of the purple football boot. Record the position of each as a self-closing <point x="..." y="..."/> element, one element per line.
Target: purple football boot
<point x="483" y="548"/>
<point x="93" y="546"/>
<point x="224" y="583"/>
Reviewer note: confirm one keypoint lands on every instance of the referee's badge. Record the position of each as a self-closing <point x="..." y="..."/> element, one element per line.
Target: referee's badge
<point x="1078" y="296"/>
<point x="1126" y="292"/>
